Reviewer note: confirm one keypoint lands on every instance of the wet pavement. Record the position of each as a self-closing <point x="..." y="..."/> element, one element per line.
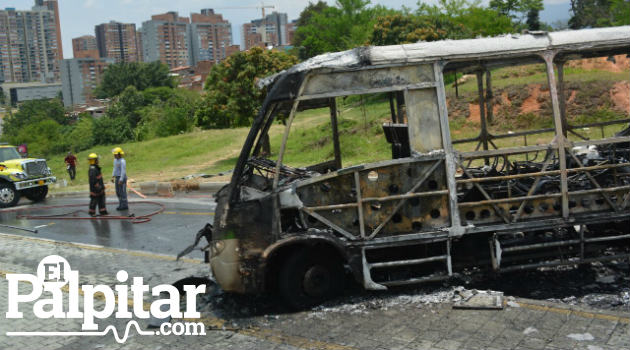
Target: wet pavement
<point x="168" y="232"/>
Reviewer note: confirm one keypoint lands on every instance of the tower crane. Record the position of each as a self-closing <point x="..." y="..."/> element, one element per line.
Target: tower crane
<point x="262" y="7"/>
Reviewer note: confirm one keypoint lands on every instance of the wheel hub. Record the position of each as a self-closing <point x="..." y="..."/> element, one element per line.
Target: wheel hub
<point x="6" y="195"/>
<point x="317" y="281"/>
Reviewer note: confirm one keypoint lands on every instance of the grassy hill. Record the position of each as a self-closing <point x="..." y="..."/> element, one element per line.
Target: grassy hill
<point x="214" y="151"/>
<point x="521" y="102"/>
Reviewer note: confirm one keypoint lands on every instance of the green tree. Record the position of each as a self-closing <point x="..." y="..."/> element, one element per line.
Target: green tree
<point x="170" y="113"/>
<point x="162" y="121"/>
<point x="2" y="97"/>
<point x="477" y="21"/>
<point x="621" y="12"/>
<point x="520" y="11"/>
<point x="309" y="11"/>
<point x="81" y="137"/>
<point x="34" y="111"/>
<point x="306" y="19"/>
<point x="127" y="106"/>
<point x="109" y="130"/>
<point x="599" y="13"/>
<point x="117" y="77"/>
<point x="533" y="19"/>
<point x="43" y="137"/>
<point x="158" y="94"/>
<point x="450" y="19"/>
<point x="232" y="98"/>
<point x="403" y="29"/>
<point x="347" y="25"/>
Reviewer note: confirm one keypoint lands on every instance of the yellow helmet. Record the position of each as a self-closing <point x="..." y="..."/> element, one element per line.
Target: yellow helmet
<point x="93" y="158"/>
<point x="118" y="150"/>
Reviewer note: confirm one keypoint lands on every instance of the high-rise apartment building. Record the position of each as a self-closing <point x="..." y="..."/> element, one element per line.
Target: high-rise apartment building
<point x="79" y="78"/>
<point x="232" y="49"/>
<point x="139" y="43"/>
<point x="85" y="46"/>
<point x="118" y="41"/>
<point x="210" y="37"/>
<point x="291" y="28"/>
<point x="53" y="6"/>
<point x="268" y="31"/>
<point x="166" y="38"/>
<point x="30" y="46"/>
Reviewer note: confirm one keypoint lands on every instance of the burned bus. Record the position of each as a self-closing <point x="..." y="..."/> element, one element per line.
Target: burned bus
<point x="433" y="210"/>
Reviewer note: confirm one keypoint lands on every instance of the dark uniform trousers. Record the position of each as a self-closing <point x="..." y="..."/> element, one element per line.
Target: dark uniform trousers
<point x="97" y="191"/>
<point x="97" y="200"/>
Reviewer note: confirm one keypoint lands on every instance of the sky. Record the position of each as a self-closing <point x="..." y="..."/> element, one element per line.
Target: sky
<point x="78" y="17"/>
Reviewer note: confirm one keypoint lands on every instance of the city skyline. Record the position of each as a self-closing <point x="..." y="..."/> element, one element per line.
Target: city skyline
<point x="78" y="17"/>
<point x="30" y="43"/>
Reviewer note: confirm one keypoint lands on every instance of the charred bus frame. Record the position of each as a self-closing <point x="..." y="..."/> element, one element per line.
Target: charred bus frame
<point x="412" y="219"/>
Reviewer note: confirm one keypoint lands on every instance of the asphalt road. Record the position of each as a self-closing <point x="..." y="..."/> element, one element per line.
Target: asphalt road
<point x="166" y="233"/>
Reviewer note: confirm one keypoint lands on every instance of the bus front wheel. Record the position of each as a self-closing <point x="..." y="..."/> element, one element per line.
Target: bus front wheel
<point x="308" y="278"/>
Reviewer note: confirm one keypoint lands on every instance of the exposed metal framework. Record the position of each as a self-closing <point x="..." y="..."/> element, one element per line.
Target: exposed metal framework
<point x="406" y="220"/>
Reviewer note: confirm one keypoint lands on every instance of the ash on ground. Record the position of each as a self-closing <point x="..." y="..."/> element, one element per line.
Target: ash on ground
<point x="600" y="285"/>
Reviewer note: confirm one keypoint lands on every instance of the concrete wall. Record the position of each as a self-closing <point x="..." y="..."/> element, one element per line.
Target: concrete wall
<point x="150" y="48"/>
<point x="20" y="92"/>
<point x="77" y="74"/>
<point x="36" y="92"/>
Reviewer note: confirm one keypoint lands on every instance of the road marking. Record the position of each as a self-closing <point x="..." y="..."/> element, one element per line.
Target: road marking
<point x="48" y="224"/>
<point x="215" y="323"/>
<point x="102" y="248"/>
<point x="568" y="311"/>
<point x="298" y="342"/>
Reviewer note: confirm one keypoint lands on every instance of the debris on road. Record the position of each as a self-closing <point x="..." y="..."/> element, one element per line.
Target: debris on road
<point x="206" y="176"/>
<point x="513" y="304"/>
<point x="581" y="337"/>
<point x="475" y="299"/>
<point x="530" y="330"/>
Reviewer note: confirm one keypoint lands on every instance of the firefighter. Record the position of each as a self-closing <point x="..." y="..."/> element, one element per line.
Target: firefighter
<point x="97" y="187"/>
<point x="119" y="176"/>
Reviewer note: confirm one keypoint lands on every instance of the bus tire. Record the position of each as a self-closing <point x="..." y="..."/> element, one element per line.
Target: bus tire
<point x="308" y="278"/>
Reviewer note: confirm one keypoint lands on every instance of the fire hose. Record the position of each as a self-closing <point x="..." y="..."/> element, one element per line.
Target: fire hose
<point x="73" y="214"/>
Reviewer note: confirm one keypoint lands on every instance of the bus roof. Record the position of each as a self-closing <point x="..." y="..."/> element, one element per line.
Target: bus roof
<point x="493" y="51"/>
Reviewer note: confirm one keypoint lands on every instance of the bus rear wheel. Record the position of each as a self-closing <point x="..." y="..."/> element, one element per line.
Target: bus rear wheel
<point x="309" y="278"/>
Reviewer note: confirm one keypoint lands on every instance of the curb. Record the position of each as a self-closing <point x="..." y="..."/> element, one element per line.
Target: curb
<point x="69" y="194"/>
<point x="578" y="309"/>
<point x="211" y="187"/>
<point x="164" y="189"/>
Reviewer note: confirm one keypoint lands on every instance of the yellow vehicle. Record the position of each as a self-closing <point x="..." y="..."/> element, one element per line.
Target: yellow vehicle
<point x="19" y="177"/>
